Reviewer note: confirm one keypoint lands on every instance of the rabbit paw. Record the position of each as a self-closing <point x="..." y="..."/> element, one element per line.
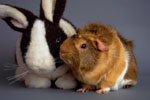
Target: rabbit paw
<point x="35" y="81"/>
<point x="61" y="70"/>
<point x="66" y="82"/>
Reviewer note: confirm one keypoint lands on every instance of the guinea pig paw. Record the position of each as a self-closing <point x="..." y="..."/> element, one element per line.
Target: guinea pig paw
<point x="82" y="90"/>
<point x="103" y="91"/>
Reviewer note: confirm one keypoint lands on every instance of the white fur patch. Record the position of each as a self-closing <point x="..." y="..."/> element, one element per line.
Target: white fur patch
<point x="38" y="56"/>
<point x="67" y="27"/>
<point x="48" y="7"/>
<point x="121" y="77"/>
<point x="124" y="82"/>
<point x="107" y="89"/>
<point x="67" y="81"/>
<point x="35" y="81"/>
<point x="18" y="18"/>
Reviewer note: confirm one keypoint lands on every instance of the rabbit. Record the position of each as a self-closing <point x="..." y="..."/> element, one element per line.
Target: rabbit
<point x="37" y="48"/>
<point x="100" y="58"/>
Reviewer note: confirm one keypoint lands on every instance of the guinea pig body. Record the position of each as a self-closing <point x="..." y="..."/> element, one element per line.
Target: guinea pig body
<point x="100" y="58"/>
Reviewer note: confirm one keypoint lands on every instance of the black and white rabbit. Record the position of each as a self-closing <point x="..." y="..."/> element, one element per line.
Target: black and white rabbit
<point x="38" y="45"/>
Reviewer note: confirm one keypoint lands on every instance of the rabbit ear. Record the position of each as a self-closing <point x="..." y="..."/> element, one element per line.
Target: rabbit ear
<point x="47" y="9"/>
<point x="17" y="18"/>
<point x="52" y="10"/>
<point x="59" y="9"/>
<point x="67" y="27"/>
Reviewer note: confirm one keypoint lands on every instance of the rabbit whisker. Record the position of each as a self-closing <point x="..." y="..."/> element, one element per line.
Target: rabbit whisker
<point x="17" y="76"/>
<point x="8" y="69"/>
<point x="12" y="82"/>
<point x="13" y="68"/>
<point x="9" y="65"/>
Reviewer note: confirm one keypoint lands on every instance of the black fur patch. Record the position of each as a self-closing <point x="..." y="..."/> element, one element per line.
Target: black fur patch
<point x="42" y="15"/>
<point x="59" y="9"/>
<point x="54" y="32"/>
<point x="26" y="32"/>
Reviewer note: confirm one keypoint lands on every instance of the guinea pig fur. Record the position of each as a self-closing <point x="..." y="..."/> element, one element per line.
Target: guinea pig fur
<point x="100" y="58"/>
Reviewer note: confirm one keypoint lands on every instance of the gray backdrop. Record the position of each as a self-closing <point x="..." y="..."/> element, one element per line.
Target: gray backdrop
<point x="130" y="17"/>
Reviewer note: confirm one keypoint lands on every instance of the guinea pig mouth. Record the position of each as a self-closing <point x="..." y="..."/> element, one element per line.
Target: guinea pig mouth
<point x="65" y="57"/>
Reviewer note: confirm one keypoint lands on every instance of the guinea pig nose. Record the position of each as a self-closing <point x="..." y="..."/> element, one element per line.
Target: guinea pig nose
<point x="63" y="51"/>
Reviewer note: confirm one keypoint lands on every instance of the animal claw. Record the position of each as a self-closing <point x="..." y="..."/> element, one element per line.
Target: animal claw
<point x="102" y="91"/>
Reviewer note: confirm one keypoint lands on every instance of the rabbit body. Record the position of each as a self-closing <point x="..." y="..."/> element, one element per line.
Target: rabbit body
<point x="37" y="49"/>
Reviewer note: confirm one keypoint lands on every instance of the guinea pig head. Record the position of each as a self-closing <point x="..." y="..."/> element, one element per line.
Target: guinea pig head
<point x="82" y="51"/>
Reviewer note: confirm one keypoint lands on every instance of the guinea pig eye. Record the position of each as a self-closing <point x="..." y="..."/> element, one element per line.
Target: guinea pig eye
<point x="83" y="46"/>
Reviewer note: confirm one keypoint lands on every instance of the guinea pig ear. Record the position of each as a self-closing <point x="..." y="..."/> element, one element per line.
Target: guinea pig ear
<point x="100" y="45"/>
<point x="80" y="30"/>
<point x="17" y="18"/>
<point x="52" y="10"/>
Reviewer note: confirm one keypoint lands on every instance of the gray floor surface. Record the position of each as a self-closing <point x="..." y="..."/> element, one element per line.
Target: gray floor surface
<point x="17" y="91"/>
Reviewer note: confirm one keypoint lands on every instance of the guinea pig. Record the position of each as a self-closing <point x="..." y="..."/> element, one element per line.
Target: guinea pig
<point x="100" y="58"/>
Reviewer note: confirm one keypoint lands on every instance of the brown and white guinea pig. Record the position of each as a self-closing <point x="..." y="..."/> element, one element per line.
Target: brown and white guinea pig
<point x="100" y="58"/>
<point x="37" y="50"/>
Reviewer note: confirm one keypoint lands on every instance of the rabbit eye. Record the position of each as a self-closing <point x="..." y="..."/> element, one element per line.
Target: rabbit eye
<point x="58" y="40"/>
<point x="83" y="46"/>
